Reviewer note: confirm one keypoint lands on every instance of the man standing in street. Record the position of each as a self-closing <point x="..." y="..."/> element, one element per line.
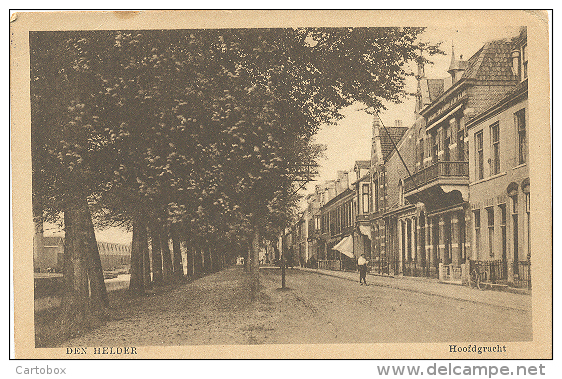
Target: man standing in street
<point x="362" y="264"/>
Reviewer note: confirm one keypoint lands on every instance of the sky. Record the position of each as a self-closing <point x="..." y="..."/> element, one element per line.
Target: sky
<point x="350" y="139"/>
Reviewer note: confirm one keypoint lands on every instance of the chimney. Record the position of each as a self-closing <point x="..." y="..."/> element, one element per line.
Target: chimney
<point x="397" y="123"/>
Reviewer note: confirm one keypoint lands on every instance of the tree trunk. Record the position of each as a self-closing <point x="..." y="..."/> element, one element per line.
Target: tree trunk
<point x="176" y="253"/>
<point x="167" y="268"/>
<point x="38" y="243"/>
<point x="95" y="270"/>
<point x="157" y="276"/>
<point x="247" y="257"/>
<point x="254" y="266"/>
<point x="76" y="311"/>
<point x="136" y="282"/>
<point x="143" y="240"/>
<point x="208" y="258"/>
<point x="190" y="261"/>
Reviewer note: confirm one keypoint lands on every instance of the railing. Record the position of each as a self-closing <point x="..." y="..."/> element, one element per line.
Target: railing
<point x="413" y="268"/>
<point x="436" y="170"/>
<point x="451" y="273"/>
<point x="496" y="271"/>
<point x="522" y="274"/>
<point x="334" y="265"/>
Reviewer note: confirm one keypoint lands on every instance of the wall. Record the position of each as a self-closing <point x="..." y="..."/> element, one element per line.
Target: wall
<point x="492" y="190"/>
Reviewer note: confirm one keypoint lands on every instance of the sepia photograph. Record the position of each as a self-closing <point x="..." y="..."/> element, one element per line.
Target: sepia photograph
<point x="281" y="184"/>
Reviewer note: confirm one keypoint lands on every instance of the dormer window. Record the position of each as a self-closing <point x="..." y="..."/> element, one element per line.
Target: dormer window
<point x="524" y="61"/>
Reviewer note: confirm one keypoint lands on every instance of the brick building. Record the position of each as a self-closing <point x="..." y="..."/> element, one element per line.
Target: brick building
<point x="453" y="188"/>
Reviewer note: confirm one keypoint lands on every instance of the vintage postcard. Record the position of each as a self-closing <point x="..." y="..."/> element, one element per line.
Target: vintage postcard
<point x="281" y="184"/>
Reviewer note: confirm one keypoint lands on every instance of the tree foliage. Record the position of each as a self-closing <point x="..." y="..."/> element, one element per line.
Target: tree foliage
<point x="209" y="130"/>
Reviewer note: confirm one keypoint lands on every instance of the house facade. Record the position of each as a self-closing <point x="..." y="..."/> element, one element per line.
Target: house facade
<point x="451" y="191"/>
<point x="499" y="180"/>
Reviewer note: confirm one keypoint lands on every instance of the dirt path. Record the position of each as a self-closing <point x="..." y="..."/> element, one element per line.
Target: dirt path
<point x="317" y="309"/>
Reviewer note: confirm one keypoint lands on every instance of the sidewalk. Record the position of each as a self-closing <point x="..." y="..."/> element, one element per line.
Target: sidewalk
<point x="433" y="287"/>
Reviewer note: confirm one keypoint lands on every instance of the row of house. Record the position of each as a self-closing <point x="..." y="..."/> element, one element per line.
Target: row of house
<point x="446" y="194"/>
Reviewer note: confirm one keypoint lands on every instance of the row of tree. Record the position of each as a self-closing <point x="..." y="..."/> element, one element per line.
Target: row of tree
<point x="193" y="136"/>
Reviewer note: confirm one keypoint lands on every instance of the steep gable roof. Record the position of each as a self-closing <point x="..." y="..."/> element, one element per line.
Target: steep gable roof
<point x="387" y="145"/>
<point x="491" y="62"/>
<point x="435" y="88"/>
<point x="362" y="164"/>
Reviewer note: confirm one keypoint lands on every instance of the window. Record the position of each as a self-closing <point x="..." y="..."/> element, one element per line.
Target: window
<point x="446" y="144"/>
<point x="524" y="61"/>
<point x="365" y="197"/>
<point x="477" y="230"/>
<point x="479" y="145"/>
<point x="490" y="212"/>
<point x="376" y="195"/>
<point x="515" y="227"/>
<point x="495" y="137"/>
<point x="420" y="153"/>
<point x="521" y="136"/>
<point x="503" y="227"/>
<point x="400" y="193"/>
<point x="434" y="148"/>
<point x="460" y="145"/>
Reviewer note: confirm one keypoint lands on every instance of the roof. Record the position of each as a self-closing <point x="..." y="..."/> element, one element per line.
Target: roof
<point x="435" y="88"/>
<point x="491" y="62"/>
<point x="362" y="164"/>
<point x="387" y="145"/>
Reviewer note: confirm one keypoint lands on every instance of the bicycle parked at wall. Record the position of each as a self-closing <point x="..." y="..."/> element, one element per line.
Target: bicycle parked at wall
<point x="479" y="276"/>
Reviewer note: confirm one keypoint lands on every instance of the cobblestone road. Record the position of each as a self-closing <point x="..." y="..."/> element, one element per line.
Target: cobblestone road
<point x="316" y="309"/>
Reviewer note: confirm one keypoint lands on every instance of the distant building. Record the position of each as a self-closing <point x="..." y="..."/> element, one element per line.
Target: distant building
<point x="52" y="255"/>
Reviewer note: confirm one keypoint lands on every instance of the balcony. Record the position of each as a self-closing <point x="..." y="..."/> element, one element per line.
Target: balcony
<point x="435" y="182"/>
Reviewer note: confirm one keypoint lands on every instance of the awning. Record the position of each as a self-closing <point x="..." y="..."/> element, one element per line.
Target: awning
<point x="345" y="246"/>
<point x="365" y="230"/>
<point x="433" y="123"/>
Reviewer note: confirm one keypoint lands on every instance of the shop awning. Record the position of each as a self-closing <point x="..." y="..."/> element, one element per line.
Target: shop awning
<point x="365" y="230"/>
<point x="345" y="246"/>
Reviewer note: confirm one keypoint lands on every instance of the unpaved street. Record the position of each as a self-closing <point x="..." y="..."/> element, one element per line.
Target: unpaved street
<point x="316" y="309"/>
